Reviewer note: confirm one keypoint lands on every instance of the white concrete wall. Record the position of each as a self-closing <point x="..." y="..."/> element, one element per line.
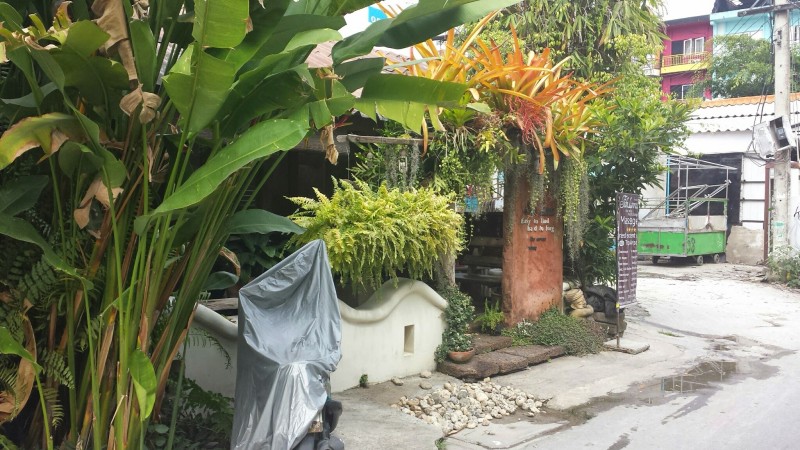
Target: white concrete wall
<point x="205" y="363"/>
<point x="722" y="142"/>
<point x="394" y="334"/>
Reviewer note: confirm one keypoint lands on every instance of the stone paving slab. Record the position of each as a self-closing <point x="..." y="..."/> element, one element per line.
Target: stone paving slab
<point x="501" y="362"/>
<point x="485" y="343"/>
<point x="506" y="363"/>
<point x="627" y="346"/>
<point x="535" y="354"/>
<point x="477" y="368"/>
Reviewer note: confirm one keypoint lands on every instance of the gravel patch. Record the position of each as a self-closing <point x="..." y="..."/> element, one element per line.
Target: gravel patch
<point x="455" y="406"/>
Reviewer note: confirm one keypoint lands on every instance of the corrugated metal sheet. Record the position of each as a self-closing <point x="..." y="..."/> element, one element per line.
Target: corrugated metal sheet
<point x="738" y="114"/>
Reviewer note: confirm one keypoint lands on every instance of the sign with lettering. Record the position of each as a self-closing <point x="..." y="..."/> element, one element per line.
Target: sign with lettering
<point x="627" y="253"/>
<point x="540" y="225"/>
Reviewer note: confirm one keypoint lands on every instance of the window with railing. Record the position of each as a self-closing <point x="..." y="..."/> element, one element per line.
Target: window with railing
<point x="686" y="51"/>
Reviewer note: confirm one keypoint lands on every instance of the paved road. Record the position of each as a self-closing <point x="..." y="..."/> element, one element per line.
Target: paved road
<point x="733" y="339"/>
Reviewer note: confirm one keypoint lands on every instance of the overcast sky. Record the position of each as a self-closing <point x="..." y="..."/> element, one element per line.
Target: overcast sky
<point x="676" y="9"/>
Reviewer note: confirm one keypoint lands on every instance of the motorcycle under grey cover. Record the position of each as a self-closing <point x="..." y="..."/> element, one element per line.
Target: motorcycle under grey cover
<point x="289" y="343"/>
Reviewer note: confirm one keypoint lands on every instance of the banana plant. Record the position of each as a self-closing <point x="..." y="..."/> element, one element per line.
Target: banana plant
<point x="156" y="124"/>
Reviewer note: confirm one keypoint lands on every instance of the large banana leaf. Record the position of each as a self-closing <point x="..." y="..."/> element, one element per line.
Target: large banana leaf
<point x="427" y="19"/>
<point x="355" y="73"/>
<point x="328" y="7"/>
<point x="48" y="132"/>
<point x="198" y="85"/>
<point x="405" y="99"/>
<point x="258" y="142"/>
<point x="98" y="79"/>
<point x="20" y="230"/>
<point x="260" y="93"/>
<point x="21" y="194"/>
<point x="418" y="89"/>
<point x="262" y="222"/>
<point x="220" y="23"/>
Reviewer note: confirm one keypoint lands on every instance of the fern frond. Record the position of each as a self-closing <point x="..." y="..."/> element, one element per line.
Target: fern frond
<point x="8" y="379"/>
<point x="55" y="411"/>
<point x="55" y="365"/>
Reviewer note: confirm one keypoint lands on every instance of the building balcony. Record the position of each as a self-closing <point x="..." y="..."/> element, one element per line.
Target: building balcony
<point x="685" y="62"/>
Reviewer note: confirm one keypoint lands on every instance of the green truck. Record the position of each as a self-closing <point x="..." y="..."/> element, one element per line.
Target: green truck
<point x="692" y="222"/>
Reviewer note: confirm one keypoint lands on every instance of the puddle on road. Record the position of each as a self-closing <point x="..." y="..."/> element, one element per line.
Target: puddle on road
<point x="697" y="383"/>
<point x="699" y="377"/>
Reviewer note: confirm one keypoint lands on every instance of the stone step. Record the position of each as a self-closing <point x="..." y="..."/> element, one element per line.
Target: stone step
<point x="500" y="362"/>
<point x="535" y="354"/>
<point x="485" y="343"/>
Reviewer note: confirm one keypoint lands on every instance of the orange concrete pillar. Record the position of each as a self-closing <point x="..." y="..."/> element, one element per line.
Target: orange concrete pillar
<point x="532" y="254"/>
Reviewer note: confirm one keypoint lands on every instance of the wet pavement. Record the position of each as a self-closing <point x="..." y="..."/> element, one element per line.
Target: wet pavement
<point x="721" y="373"/>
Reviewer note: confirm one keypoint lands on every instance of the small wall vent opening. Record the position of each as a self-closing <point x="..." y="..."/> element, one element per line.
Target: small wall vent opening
<point x="408" y="340"/>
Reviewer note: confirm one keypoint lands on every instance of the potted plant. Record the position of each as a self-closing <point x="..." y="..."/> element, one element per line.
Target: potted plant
<point x="456" y="340"/>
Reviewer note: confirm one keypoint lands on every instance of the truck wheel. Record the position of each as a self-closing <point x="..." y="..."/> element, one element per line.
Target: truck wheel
<point x="699" y="260"/>
<point x="717" y="258"/>
<point x="654" y="259"/>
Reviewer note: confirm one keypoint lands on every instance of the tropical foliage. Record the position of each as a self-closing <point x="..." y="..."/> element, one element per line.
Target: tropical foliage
<point x="373" y="235"/>
<point x="157" y="123"/>
<point x="458" y="316"/>
<point x="607" y="42"/>
<point x="586" y="30"/>
<point x="523" y="112"/>
<point x="638" y="128"/>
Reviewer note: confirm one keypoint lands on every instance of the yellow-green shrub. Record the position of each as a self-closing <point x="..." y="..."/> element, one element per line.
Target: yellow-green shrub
<point x="375" y="235"/>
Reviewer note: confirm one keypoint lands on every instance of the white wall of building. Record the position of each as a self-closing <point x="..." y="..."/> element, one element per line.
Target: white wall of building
<point x="720" y="142"/>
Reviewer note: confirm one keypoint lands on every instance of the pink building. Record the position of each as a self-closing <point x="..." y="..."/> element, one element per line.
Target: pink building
<point x="686" y="56"/>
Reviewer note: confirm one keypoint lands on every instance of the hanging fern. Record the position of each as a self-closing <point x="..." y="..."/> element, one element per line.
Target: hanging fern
<point x="375" y="235"/>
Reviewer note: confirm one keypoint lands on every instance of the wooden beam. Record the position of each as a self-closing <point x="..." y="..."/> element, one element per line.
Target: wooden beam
<point x="378" y="140"/>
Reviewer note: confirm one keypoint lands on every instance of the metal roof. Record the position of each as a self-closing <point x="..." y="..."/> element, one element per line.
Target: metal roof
<point x="738" y="114"/>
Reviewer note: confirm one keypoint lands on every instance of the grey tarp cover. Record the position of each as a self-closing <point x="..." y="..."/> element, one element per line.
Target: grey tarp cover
<point x="289" y="343"/>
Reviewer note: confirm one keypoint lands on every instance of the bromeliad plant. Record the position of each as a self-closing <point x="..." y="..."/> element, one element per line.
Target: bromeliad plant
<point x="524" y="108"/>
<point x="157" y="123"/>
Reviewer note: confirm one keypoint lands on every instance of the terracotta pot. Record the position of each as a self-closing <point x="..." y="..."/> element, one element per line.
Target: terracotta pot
<point x="461" y="357"/>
